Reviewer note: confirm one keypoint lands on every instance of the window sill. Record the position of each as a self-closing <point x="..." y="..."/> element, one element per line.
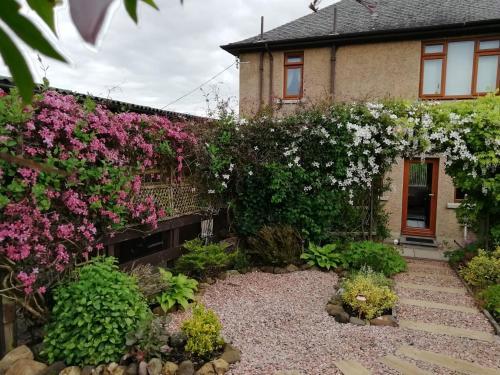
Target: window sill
<point x="453" y="205"/>
<point x="288" y="101"/>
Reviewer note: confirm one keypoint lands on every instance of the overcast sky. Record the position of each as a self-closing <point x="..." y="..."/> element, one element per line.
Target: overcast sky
<point x="168" y="54"/>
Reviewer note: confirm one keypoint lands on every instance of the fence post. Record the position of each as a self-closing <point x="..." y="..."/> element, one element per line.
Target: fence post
<point x="8" y="333"/>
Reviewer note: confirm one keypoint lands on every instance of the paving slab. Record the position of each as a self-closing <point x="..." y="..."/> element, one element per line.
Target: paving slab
<point x="464" y="367"/>
<point x="350" y="367"/>
<point x="432" y="288"/>
<point x="404" y="367"/>
<point x="436" y="305"/>
<point x="441" y="329"/>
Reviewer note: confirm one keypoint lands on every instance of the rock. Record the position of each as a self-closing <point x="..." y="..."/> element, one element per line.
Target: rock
<point x="280" y="270"/>
<point x="220" y="366"/>
<point x="292" y="268"/>
<point x="99" y="370"/>
<point x="55" y="368"/>
<point x="26" y="366"/>
<point x="73" y="370"/>
<point x="342" y="318"/>
<point x="334" y="310"/>
<point x="222" y="276"/>
<point x="357" y="321"/>
<point x="177" y="340"/>
<point x="155" y="366"/>
<point x="267" y="269"/>
<point x="88" y="370"/>
<point x="185" y="368"/>
<point x="305" y="266"/>
<point x="254" y="269"/>
<point x="232" y="273"/>
<point x="336" y="300"/>
<point x="132" y="369"/>
<point x="210" y="281"/>
<point x="120" y="370"/>
<point x="384" y="320"/>
<point x="202" y="286"/>
<point x="231" y="354"/>
<point x="21" y="352"/>
<point x="143" y="368"/>
<point x="206" y="369"/>
<point x="169" y="368"/>
<point x="158" y="311"/>
<point x="112" y="367"/>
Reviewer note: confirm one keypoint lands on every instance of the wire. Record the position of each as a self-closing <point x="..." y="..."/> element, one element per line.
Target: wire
<point x="200" y="86"/>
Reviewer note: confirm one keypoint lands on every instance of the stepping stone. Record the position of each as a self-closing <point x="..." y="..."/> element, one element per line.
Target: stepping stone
<point x="433" y="274"/>
<point x="404" y="367"/>
<point x="350" y="367"/>
<point x="451" y="363"/>
<point x="436" y="305"/>
<point x="431" y="288"/>
<point x="441" y="329"/>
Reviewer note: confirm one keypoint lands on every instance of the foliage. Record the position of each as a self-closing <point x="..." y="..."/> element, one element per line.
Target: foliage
<point x="92" y="315"/>
<point x="275" y="245"/>
<point x="82" y="14"/>
<point x="483" y="270"/>
<point x="149" y="280"/>
<point x="368" y="293"/>
<point x="149" y="339"/>
<point x="52" y="218"/>
<point x="326" y="256"/>
<point x="379" y="257"/>
<point x="491" y="298"/>
<point x="202" y="260"/>
<point x="179" y="292"/>
<point x="463" y="255"/>
<point x="203" y="332"/>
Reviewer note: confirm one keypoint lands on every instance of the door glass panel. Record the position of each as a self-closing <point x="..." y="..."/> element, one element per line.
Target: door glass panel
<point x="419" y="196"/>
<point x="460" y="60"/>
<point x="487" y="67"/>
<point x="293" y="81"/>
<point x="432" y="77"/>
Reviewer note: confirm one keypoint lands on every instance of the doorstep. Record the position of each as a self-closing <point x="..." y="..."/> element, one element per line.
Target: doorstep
<point x="422" y="252"/>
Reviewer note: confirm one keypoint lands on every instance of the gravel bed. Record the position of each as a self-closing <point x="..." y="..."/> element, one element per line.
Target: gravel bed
<point x="279" y="322"/>
<point x="451" y="318"/>
<point x="440" y="297"/>
<point x="431" y="279"/>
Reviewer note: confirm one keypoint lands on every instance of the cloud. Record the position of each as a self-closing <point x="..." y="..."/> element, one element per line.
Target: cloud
<point x="166" y="55"/>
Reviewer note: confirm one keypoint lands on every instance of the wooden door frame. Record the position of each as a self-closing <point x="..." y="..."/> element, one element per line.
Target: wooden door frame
<point x="423" y="232"/>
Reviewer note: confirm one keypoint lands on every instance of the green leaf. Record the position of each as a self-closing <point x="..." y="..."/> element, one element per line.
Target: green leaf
<point x="26" y="30"/>
<point x="17" y="66"/>
<point x="131" y="7"/>
<point x="45" y="9"/>
<point x="151" y="3"/>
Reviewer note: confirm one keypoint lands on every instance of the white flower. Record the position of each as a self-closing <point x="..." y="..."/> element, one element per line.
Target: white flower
<point x="307" y="188"/>
<point x="225" y="176"/>
<point x="250" y="173"/>
<point x="315" y="164"/>
<point x="210" y="191"/>
<point x="231" y="167"/>
<point x="271" y="130"/>
<point x="224" y="184"/>
<point x="256" y="148"/>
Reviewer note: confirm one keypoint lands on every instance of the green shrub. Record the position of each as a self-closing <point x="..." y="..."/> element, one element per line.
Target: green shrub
<point x="202" y="260"/>
<point x="491" y="298"/>
<point x="368" y="293"/>
<point x="275" y="245"/>
<point x="180" y="290"/>
<point x="93" y="314"/>
<point x="379" y="257"/>
<point x="203" y="332"/>
<point x="323" y="256"/>
<point x="461" y="255"/>
<point x="483" y="270"/>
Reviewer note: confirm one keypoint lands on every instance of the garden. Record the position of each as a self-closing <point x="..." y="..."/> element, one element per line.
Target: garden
<point x="304" y="264"/>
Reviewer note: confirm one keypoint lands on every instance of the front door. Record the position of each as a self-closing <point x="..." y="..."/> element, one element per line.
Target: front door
<point x="420" y="197"/>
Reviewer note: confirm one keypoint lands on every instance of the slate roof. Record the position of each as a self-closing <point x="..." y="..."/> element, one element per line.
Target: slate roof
<point x="391" y="16"/>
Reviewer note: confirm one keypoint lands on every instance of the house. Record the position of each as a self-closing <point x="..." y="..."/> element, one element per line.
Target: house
<point x="375" y="49"/>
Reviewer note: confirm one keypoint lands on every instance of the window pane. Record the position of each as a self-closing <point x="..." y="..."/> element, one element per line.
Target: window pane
<point x="487" y="67"/>
<point x="432" y="77"/>
<point x="434" y="48"/>
<point x="489" y="44"/>
<point x="460" y="59"/>
<point x="293" y="81"/>
<point x="294" y="59"/>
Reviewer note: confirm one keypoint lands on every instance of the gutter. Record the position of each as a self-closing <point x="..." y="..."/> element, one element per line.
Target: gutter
<point x="271" y="71"/>
<point x="478" y="27"/>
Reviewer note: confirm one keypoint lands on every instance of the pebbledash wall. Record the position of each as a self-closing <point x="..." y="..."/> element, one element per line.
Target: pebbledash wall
<point x="362" y="72"/>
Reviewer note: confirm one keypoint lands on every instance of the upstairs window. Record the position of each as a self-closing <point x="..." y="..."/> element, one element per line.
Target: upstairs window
<point x="460" y="68"/>
<point x="294" y="75"/>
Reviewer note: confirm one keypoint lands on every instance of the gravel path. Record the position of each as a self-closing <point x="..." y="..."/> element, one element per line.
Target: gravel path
<point x="279" y="322"/>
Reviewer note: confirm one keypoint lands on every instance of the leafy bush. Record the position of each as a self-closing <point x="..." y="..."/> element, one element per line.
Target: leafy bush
<point x="149" y="339"/>
<point x="491" y="298"/>
<point x="93" y="314"/>
<point x="203" y="332"/>
<point x="368" y="293"/>
<point x="179" y="292"/>
<point x="462" y="255"/>
<point x="379" y="257"/>
<point x="483" y="270"/>
<point x="275" y="245"/>
<point x="323" y="256"/>
<point x="204" y="260"/>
